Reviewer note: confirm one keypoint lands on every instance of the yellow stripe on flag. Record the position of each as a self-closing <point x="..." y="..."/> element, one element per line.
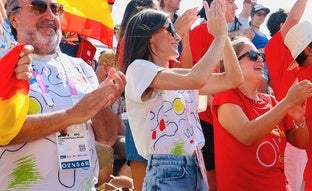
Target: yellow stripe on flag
<point x="14" y="100"/>
<point x="13" y="112"/>
<point x="92" y="19"/>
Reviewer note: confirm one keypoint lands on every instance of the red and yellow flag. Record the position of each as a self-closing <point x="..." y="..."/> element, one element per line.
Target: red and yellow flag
<point x="14" y="101"/>
<point x="92" y="19"/>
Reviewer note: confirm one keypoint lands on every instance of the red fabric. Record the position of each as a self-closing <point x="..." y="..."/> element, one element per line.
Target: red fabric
<point x="200" y="41"/>
<point x="9" y="84"/>
<point x="88" y="27"/>
<point x="120" y="52"/>
<point x="257" y="167"/>
<point x="110" y="1"/>
<point x="278" y="60"/>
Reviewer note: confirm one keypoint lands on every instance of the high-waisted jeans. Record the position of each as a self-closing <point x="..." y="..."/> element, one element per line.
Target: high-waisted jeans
<point x="170" y="172"/>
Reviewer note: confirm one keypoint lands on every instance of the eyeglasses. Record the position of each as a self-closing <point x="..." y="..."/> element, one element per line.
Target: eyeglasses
<point x="40" y="7"/>
<point x="253" y="55"/>
<point x="260" y="14"/>
<point x="171" y="29"/>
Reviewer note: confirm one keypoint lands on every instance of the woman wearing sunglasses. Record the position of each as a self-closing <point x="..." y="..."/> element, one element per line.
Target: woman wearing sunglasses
<point x="252" y="128"/>
<point x="162" y="102"/>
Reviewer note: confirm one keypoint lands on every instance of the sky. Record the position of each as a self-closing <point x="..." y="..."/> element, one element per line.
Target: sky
<point x="274" y="5"/>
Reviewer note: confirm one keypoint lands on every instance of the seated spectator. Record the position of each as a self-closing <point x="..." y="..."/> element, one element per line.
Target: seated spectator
<point x="111" y="159"/>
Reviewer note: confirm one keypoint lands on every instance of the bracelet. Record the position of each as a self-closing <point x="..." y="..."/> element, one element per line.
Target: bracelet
<point x="301" y="124"/>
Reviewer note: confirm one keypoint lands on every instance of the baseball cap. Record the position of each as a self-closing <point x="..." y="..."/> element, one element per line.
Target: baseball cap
<point x="259" y="7"/>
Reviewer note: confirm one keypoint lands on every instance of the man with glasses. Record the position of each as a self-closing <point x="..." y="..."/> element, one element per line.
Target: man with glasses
<point x="68" y="109"/>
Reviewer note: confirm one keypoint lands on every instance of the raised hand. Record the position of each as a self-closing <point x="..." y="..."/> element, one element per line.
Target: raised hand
<point x="216" y="21"/>
<point x="299" y="92"/>
<point x="104" y="96"/>
<point x="185" y="21"/>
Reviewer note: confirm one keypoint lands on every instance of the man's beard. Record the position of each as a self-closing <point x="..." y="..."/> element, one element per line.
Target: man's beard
<point x="44" y="44"/>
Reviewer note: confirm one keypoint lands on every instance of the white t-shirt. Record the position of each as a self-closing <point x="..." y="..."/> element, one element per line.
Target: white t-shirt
<point x="34" y="165"/>
<point x="168" y="123"/>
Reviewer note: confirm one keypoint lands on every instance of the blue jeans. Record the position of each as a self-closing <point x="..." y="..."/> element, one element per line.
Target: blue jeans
<point x="171" y="172"/>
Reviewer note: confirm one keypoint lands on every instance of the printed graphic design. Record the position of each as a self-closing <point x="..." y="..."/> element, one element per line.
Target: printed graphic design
<point x="25" y="174"/>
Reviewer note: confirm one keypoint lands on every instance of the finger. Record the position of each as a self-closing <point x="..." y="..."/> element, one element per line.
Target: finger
<point x="294" y="83"/>
<point x="220" y="8"/>
<point x="24" y="76"/>
<point x="223" y="5"/>
<point x="123" y="77"/>
<point x="207" y="9"/>
<point x="25" y="60"/>
<point x="27" y="49"/>
<point x="119" y="83"/>
<point x="23" y="68"/>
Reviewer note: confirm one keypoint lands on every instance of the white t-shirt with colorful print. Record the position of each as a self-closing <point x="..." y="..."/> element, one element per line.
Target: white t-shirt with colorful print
<point x="168" y="123"/>
<point x="34" y="166"/>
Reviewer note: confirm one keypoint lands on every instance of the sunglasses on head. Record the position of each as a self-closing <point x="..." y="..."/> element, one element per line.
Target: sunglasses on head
<point x="170" y="28"/>
<point x="253" y="55"/>
<point x="40" y="7"/>
<point x="260" y="14"/>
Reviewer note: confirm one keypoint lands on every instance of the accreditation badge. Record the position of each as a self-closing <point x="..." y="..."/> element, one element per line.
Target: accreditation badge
<point x="72" y="147"/>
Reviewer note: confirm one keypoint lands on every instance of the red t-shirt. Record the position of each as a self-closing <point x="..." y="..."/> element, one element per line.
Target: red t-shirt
<point x="120" y="48"/>
<point x="257" y="167"/>
<point x="200" y="41"/>
<point x="278" y="58"/>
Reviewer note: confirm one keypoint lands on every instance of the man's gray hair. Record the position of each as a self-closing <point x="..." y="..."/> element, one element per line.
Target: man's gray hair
<point x="10" y="5"/>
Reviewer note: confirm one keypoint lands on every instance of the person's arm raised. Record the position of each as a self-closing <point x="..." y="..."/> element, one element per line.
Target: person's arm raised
<point x="230" y="78"/>
<point x="197" y="77"/>
<point x="294" y="16"/>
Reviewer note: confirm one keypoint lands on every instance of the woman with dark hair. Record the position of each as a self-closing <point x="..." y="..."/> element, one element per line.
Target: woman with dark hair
<point x="134" y="160"/>
<point x="162" y="102"/>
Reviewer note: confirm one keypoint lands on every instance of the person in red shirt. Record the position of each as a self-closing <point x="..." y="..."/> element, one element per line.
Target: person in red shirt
<point x="251" y="128"/>
<point x="282" y="75"/>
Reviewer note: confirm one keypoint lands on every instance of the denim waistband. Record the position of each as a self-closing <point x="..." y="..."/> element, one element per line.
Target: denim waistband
<point x="167" y="159"/>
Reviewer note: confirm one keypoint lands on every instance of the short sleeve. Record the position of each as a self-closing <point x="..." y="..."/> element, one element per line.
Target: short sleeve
<point x="139" y="76"/>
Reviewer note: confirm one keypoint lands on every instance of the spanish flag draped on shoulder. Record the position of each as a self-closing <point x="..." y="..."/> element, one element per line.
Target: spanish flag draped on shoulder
<point x="14" y="100"/>
<point x="92" y="19"/>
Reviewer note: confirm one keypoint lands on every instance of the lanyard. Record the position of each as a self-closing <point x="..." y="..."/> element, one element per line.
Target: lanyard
<point x="43" y="87"/>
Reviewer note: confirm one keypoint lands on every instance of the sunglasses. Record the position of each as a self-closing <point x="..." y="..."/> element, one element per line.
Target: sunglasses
<point x="253" y="55"/>
<point x="171" y="29"/>
<point x="260" y="14"/>
<point x="40" y="7"/>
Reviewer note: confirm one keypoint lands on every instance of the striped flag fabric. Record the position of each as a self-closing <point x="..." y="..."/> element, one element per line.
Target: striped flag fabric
<point x="14" y="99"/>
<point x="92" y="19"/>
